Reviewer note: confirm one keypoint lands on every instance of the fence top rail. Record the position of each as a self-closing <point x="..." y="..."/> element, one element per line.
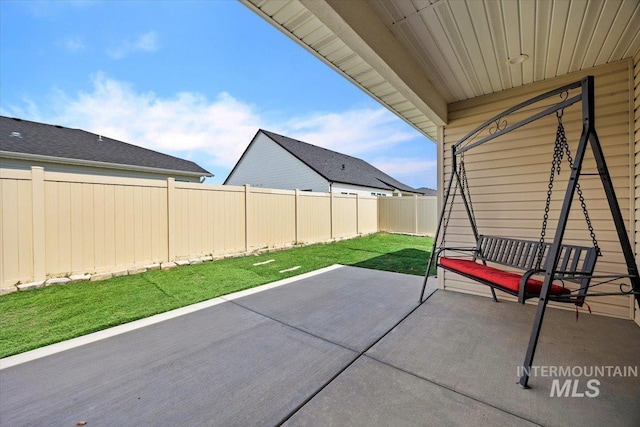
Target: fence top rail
<point x="261" y="190"/>
<point x="15" y="174"/>
<point x="100" y="179"/>
<point x="207" y="187"/>
<point x="313" y="194"/>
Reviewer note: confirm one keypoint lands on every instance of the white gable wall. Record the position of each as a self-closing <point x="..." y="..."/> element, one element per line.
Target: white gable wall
<point x="266" y="164"/>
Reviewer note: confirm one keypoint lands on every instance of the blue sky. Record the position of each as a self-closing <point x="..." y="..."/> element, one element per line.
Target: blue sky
<point x="195" y="79"/>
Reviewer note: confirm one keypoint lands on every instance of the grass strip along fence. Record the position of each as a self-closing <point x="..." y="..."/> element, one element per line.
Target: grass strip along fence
<point x="40" y="317"/>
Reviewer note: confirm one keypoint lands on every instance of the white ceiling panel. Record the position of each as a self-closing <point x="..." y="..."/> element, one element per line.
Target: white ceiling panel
<point x="461" y="46"/>
<point x="572" y="31"/>
<point x="630" y="40"/>
<point x="618" y="27"/>
<point x="602" y="29"/>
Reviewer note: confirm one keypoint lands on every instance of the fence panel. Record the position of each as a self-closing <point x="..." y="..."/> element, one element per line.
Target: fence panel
<point x="106" y="224"/>
<point x="313" y="217"/>
<point x="427" y="215"/>
<point x="271" y="218"/>
<point x="16" y="226"/>
<point x="55" y="224"/>
<point x="412" y="215"/>
<point x="207" y="220"/>
<point x="345" y="215"/>
<point x="367" y="214"/>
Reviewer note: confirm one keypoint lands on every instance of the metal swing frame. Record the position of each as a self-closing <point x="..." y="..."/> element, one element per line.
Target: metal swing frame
<point x="497" y="126"/>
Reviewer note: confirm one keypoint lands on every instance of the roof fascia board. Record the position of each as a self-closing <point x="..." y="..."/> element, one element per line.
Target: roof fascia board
<point x="357" y="25"/>
<point x="93" y="163"/>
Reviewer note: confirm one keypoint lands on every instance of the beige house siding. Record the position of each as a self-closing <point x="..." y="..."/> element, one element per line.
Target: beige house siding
<point x="636" y="151"/>
<point x="508" y="177"/>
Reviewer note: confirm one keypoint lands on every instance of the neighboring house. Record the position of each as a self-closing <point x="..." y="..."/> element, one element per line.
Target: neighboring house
<point x="426" y="191"/>
<point x="276" y="161"/>
<point x="59" y="149"/>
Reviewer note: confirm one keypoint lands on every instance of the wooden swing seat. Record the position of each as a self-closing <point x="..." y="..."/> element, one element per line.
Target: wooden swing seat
<point x="576" y="264"/>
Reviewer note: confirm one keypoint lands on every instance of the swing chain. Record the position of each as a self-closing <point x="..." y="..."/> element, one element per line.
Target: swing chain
<point x="446" y="223"/>
<point x="583" y="204"/>
<point x="555" y="169"/>
<point x="465" y="185"/>
<point x="561" y="147"/>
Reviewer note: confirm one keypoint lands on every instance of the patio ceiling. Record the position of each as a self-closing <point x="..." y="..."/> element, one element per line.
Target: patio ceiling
<point x="417" y="56"/>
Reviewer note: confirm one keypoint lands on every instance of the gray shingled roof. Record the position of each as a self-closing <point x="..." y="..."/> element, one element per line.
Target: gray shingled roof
<point x="427" y="191"/>
<point x="338" y="167"/>
<point x="61" y="142"/>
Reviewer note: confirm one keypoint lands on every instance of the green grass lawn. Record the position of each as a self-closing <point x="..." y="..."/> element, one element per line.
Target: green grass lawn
<point x="44" y="316"/>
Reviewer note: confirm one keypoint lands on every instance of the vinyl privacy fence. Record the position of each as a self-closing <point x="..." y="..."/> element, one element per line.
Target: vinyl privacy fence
<point x="411" y="215"/>
<point x="58" y="224"/>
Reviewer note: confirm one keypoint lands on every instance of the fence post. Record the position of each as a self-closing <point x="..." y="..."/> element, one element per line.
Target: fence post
<point x="247" y="212"/>
<point x="378" y="213"/>
<point x="171" y="219"/>
<point x="331" y="211"/>
<point x="357" y="214"/>
<point x="415" y="213"/>
<point x="38" y="224"/>
<point x="297" y="213"/>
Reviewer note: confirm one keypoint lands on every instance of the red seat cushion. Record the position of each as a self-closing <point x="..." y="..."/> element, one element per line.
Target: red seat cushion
<point x="500" y="278"/>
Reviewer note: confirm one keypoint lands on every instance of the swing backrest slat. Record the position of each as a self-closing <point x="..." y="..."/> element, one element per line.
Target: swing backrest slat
<point x="576" y="263"/>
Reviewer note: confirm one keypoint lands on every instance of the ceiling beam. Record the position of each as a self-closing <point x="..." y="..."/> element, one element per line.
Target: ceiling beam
<point x="357" y="25"/>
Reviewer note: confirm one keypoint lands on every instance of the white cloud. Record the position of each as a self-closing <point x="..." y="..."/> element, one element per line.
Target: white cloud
<point x="147" y="42"/>
<point x="72" y="44"/>
<point x="184" y="123"/>
<point x="215" y="132"/>
<point x="351" y="132"/>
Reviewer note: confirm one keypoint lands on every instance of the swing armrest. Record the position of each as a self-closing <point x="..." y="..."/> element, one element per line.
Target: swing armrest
<point x="522" y="288"/>
<point x="467" y="249"/>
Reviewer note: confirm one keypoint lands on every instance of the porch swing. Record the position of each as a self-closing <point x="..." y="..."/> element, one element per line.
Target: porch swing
<point x="558" y="262"/>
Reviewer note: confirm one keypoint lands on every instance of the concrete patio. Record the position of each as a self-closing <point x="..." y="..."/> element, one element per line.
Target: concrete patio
<point x="349" y="346"/>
